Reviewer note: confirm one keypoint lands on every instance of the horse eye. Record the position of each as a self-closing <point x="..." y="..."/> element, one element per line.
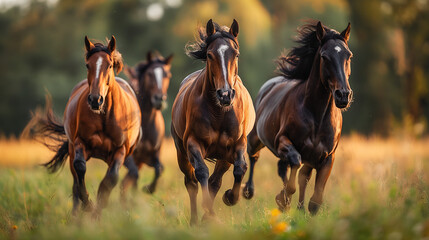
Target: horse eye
<point x="87" y="66"/>
<point x="110" y="66"/>
<point x="210" y="56"/>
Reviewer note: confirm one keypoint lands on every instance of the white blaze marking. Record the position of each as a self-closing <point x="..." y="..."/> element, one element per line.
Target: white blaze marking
<point x="338" y="49"/>
<point x="221" y="52"/>
<point x="99" y="62"/>
<point x="158" y="76"/>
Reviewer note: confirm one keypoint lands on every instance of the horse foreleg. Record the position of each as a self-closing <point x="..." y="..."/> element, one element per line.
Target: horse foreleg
<point x="191" y="184"/>
<point x="158" y="170"/>
<point x="230" y="197"/>
<point x="289" y="156"/>
<point x="322" y="176"/>
<point x="215" y="180"/>
<point x="201" y="173"/>
<point x="254" y="146"/>
<point x="131" y="178"/>
<point x="78" y="169"/>
<point x="110" y="180"/>
<point x="303" y="178"/>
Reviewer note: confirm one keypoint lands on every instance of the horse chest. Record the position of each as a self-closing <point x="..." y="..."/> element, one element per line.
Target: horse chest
<point x="316" y="147"/>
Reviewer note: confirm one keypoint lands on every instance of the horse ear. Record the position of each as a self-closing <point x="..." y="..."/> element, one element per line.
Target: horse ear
<point x="112" y="44"/>
<point x="210" y="28"/>
<point x="88" y="44"/>
<point x="234" y="28"/>
<point x="132" y="76"/>
<point x="320" y="31"/>
<point x="346" y="33"/>
<point x="169" y="59"/>
<point x="149" y="56"/>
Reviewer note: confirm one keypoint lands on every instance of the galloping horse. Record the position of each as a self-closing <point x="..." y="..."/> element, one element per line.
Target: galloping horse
<point x="211" y="117"/>
<point x="298" y="114"/>
<point x="102" y="120"/>
<point x="150" y="80"/>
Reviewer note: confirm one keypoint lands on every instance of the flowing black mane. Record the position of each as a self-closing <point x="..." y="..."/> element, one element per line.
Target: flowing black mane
<point x="297" y="64"/>
<point x="198" y="50"/>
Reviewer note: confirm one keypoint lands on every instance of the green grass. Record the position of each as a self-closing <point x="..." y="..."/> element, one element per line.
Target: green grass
<point x="377" y="190"/>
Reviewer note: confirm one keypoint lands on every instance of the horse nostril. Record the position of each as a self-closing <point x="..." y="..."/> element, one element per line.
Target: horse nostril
<point x="219" y="93"/>
<point x="89" y="99"/>
<point x="232" y="93"/>
<point x="347" y="94"/>
<point x="338" y="94"/>
<point x="100" y="100"/>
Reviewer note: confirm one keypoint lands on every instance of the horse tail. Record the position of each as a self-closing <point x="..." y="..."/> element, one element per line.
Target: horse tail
<point x="47" y="129"/>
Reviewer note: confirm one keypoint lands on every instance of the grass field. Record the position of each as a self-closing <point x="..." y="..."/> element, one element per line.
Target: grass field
<point x="378" y="190"/>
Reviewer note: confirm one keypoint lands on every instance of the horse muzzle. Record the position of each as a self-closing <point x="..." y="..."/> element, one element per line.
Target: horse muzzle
<point x="159" y="101"/>
<point x="95" y="101"/>
<point x="225" y="97"/>
<point x="343" y="98"/>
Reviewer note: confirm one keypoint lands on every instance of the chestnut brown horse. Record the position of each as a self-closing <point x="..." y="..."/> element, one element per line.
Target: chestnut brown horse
<point x="102" y="120"/>
<point x="150" y="80"/>
<point x="211" y="117"/>
<point x="298" y="114"/>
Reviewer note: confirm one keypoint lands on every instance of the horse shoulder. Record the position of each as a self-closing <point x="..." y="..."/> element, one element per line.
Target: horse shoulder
<point x="248" y="110"/>
<point x="130" y="125"/>
<point x="72" y="108"/>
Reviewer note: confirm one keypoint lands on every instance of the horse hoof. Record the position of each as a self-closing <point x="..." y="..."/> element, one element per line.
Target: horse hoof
<point x="282" y="201"/>
<point x="248" y="191"/>
<point x="193" y="222"/>
<point x="301" y="207"/>
<point x="210" y="218"/>
<point x="149" y="189"/>
<point x="313" y="207"/>
<point x="96" y="215"/>
<point x="228" y="198"/>
<point x="88" y="207"/>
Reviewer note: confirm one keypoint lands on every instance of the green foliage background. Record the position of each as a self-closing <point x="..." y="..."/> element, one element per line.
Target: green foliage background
<point x="41" y="49"/>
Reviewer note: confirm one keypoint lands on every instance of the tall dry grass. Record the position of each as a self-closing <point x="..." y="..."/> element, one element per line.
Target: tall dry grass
<point x="378" y="189"/>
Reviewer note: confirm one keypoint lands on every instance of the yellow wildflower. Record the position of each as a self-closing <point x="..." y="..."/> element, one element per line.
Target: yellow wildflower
<point x="280" y="227"/>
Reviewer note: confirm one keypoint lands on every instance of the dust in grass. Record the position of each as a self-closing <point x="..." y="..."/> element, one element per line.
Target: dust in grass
<point x="378" y="189"/>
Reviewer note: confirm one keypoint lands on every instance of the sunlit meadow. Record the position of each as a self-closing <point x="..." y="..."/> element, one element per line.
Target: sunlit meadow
<point x="378" y="189"/>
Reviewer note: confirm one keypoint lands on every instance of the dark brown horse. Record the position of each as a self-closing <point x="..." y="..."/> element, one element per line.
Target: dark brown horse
<point x="150" y="80"/>
<point x="102" y="120"/>
<point x="298" y="114"/>
<point x="211" y="117"/>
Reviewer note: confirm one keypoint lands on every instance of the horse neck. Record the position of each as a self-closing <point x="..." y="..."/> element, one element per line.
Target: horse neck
<point x="318" y="99"/>
<point x="207" y="87"/>
<point x="113" y="96"/>
<point x="146" y="107"/>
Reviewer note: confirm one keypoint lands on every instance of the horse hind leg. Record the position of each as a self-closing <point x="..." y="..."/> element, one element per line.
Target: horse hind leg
<point x="110" y="180"/>
<point x="288" y="157"/>
<point x="131" y="178"/>
<point x="254" y="146"/>
<point x="158" y="167"/>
